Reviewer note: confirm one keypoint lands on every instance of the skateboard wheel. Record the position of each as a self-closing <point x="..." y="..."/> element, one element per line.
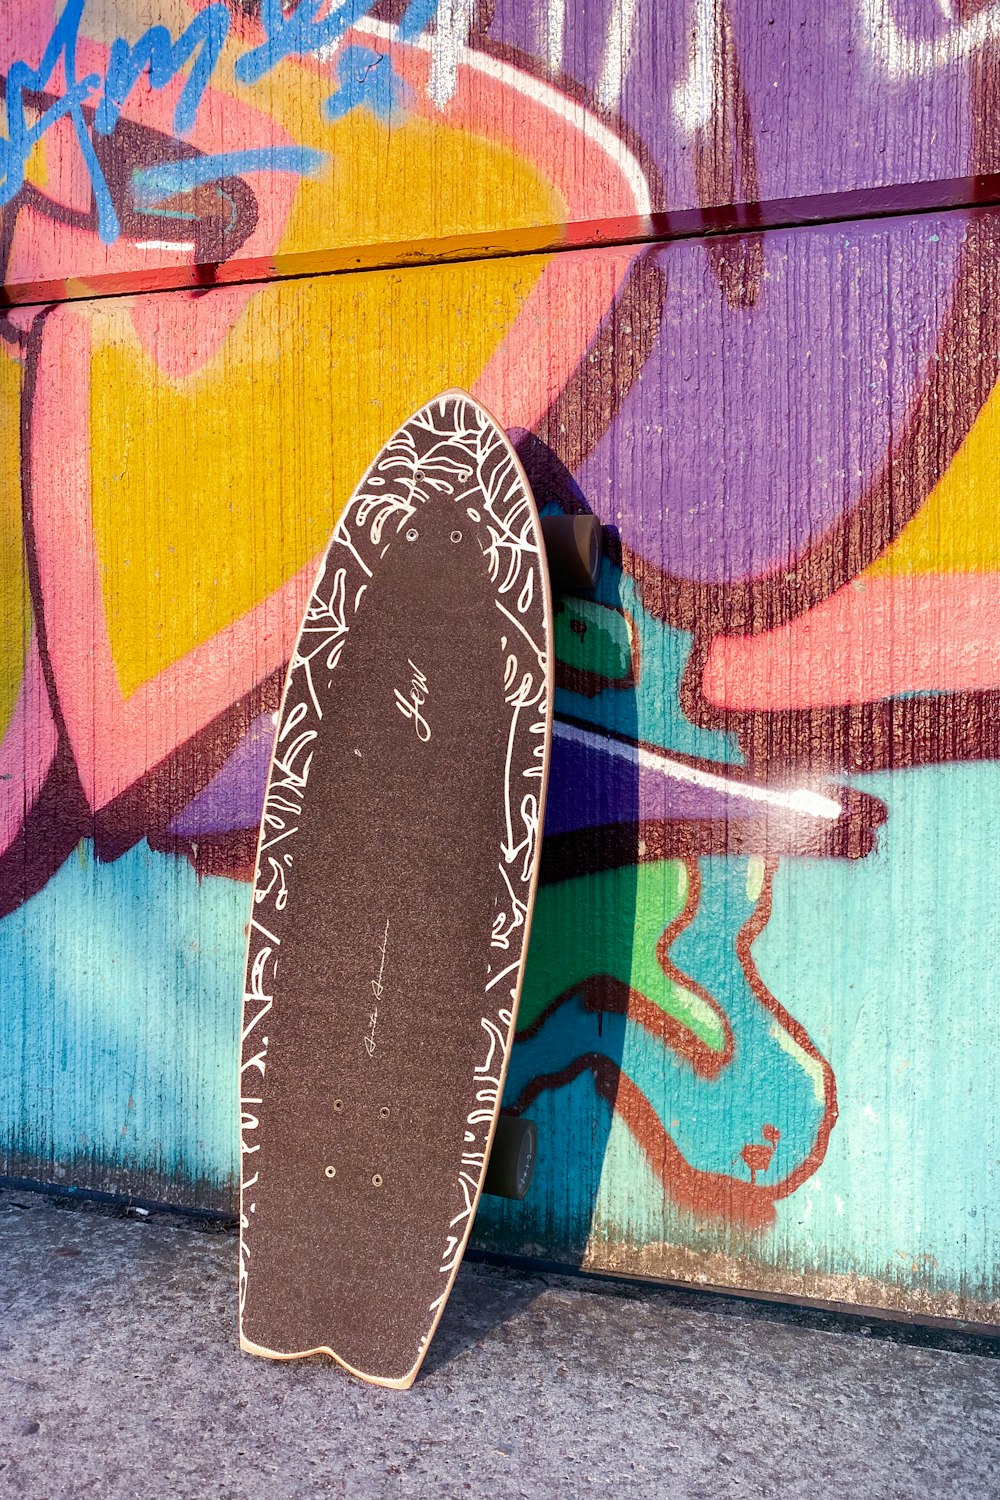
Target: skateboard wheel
<point x="573" y="549"/>
<point x="512" y="1159"/>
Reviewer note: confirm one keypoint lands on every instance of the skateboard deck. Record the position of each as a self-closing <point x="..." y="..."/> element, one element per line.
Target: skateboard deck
<point x="396" y="870"/>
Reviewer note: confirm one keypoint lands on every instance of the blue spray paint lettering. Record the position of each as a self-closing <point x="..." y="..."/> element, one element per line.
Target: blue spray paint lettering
<point x="22" y="138"/>
<point x="366" y="78"/>
<point x="203" y="40"/>
<point x="165" y="58"/>
<point x="297" y="34"/>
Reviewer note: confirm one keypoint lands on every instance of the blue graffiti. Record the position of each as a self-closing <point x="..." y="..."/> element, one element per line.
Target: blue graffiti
<point x="155" y="184"/>
<point x="296" y="34"/>
<point x="366" y="78"/>
<point x="22" y="138"/>
<point x="203" y="41"/>
<point x="165" y="59"/>
<point x="419" y="15"/>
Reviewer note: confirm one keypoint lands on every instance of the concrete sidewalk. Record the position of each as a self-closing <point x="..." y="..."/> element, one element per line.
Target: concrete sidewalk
<point x="120" y="1376"/>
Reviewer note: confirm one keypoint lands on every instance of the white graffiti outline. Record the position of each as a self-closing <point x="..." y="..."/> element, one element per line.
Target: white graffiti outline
<point x="902" y="56"/>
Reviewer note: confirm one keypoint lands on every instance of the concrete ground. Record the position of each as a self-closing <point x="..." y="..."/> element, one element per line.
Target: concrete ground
<point x="120" y="1376"/>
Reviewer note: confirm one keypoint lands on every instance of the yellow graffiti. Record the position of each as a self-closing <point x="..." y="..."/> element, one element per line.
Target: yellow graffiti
<point x="210" y="491"/>
<point x="955" y="530"/>
<point x="402" y="184"/>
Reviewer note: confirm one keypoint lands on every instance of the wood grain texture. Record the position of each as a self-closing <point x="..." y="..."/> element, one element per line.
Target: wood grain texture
<point x="758" y="1029"/>
<point x="209" y="142"/>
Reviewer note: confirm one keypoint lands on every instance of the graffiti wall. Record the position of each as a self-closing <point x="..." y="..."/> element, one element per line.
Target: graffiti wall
<point x="731" y="280"/>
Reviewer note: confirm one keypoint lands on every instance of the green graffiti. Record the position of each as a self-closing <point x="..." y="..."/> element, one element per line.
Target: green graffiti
<point x="592" y="638"/>
<point x="610" y="924"/>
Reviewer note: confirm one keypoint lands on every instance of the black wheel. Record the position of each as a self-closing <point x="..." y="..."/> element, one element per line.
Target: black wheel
<point x="512" y="1159"/>
<point x="573" y="548"/>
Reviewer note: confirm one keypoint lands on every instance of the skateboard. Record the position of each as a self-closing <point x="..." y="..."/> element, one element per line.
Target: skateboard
<point x="396" y="869"/>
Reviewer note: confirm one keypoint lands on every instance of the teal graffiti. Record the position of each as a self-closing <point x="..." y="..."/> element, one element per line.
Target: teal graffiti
<point x="726" y="1094"/>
